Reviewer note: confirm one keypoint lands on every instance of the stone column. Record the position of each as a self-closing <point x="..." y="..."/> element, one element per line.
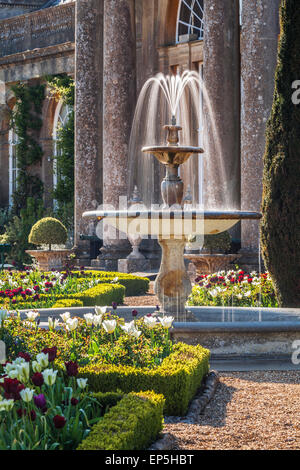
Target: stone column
<point x="119" y="95"/>
<point x="221" y="57"/>
<point x="259" y="40"/>
<point x="88" y="116"/>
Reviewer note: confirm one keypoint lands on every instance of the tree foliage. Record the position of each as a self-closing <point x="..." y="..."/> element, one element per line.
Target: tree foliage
<point x="280" y="229"/>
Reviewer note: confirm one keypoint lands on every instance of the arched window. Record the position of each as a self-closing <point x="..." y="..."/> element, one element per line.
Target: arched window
<point x="13" y="164"/>
<point x="61" y="118"/>
<point x="190" y="19"/>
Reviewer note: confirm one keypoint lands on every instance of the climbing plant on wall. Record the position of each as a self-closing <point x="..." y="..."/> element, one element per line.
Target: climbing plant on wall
<point x="28" y="204"/>
<point x="63" y="88"/>
<point x="26" y="121"/>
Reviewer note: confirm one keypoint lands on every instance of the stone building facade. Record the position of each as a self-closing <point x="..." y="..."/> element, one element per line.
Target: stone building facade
<point x="111" y="47"/>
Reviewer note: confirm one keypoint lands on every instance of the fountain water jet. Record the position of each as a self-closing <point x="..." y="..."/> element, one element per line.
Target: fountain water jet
<point x="172" y="225"/>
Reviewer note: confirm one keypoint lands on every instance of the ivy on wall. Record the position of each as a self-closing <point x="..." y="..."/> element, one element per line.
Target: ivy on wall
<point x="63" y="88"/>
<point x="26" y="121"/>
<point x="28" y="206"/>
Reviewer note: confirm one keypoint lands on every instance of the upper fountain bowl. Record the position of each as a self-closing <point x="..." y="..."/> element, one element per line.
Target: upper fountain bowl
<point x="171" y="154"/>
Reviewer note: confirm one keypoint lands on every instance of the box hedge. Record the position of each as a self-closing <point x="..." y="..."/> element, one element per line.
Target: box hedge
<point x="177" y="378"/>
<point x="68" y="303"/>
<point x="133" y="424"/>
<point x="100" y="295"/>
<point x="134" y="285"/>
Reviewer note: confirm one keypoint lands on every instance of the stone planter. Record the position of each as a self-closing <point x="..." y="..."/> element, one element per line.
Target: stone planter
<point x="211" y="263"/>
<point x="48" y="260"/>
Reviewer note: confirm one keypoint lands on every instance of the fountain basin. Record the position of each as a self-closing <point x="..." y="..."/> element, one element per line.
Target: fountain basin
<point x="176" y="224"/>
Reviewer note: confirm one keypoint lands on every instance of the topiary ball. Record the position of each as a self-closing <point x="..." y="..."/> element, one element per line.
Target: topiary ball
<point x="48" y="231"/>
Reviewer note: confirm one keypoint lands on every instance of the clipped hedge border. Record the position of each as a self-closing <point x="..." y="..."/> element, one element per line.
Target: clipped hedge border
<point x="135" y="285"/>
<point x="177" y="378"/>
<point x="67" y="303"/>
<point x="100" y="295"/>
<point x="133" y="424"/>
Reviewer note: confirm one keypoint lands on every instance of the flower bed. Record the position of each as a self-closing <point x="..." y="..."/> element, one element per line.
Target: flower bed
<point x="233" y="288"/>
<point x="33" y="289"/>
<point x="43" y="407"/>
<point x="116" y="356"/>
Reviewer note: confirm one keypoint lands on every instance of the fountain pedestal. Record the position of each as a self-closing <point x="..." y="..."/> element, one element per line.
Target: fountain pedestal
<point x="173" y="285"/>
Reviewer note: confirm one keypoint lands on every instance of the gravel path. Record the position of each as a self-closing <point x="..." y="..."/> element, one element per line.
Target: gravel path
<point x="143" y="300"/>
<point x="250" y="410"/>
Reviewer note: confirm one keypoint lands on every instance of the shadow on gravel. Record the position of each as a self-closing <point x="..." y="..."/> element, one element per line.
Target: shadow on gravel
<point x="216" y="411"/>
<point x="280" y="377"/>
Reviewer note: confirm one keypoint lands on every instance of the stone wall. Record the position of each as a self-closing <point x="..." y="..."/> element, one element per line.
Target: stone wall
<point x="39" y="29"/>
<point x="9" y="8"/>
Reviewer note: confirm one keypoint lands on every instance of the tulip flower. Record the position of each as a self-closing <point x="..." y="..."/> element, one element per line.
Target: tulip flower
<point x="31" y="316"/>
<point x="59" y="421"/>
<point x="89" y="318"/>
<point x="6" y="405"/>
<point x="72" y="324"/>
<point x="100" y="310"/>
<point x="36" y="367"/>
<point x="40" y="401"/>
<point x="150" y="322"/>
<point x="27" y="394"/>
<point x="109" y="326"/>
<point x="97" y="320"/>
<point x="166" y="321"/>
<point x="49" y="376"/>
<point x="53" y="323"/>
<point x="82" y="383"/>
<point x="65" y="316"/>
<point x="42" y="359"/>
<point x="3" y="315"/>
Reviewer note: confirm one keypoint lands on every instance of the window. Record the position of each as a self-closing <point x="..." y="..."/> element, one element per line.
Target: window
<point x="190" y="19"/>
<point x="13" y="164"/>
<point x="61" y="118"/>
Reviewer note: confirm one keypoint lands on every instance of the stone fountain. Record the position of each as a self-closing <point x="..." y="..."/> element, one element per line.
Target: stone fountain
<point x="172" y="225"/>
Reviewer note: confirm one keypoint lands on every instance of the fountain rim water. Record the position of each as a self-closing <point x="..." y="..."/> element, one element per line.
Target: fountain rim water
<point x="172" y="149"/>
<point x="173" y="214"/>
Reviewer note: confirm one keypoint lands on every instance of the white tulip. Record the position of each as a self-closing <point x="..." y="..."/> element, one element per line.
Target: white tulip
<point x="98" y="320"/>
<point x="42" y="359"/>
<point x="26" y="394"/>
<point x="100" y="310"/>
<point x="53" y="323"/>
<point x="31" y="316"/>
<point x="89" y="318"/>
<point x="82" y="383"/>
<point x="23" y="372"/>
<point x="109" y="326"/>
<point x="150" y="322"/>
<point x="65" y="316"/>
<point x="72" y="324"/>
<point x="135" y="333"/>
<point x="6" y="405"/>
<point x="127" y="327"/>
<point x="3" y="315"/>
<point x="49" y="376"/>
<point x="36" y="366"/>
<point x="166" y="321"/>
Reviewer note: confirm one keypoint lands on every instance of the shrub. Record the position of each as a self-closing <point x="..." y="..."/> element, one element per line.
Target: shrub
<point x="133" y="424"/>
<point x="280" y="228"/>
<point x="101" y="295"/>
<point x="68" y="303"/>
<point x="48" y="231"/>
<point x="177" y="378"/>
<point x="134" y="285"/>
